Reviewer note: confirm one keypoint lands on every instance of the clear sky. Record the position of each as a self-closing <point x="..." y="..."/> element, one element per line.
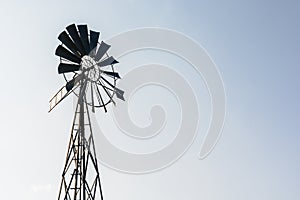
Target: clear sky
<point x="256" y="46"/>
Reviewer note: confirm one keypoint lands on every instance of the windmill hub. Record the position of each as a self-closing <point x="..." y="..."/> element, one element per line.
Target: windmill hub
<point x="92" y="70"/>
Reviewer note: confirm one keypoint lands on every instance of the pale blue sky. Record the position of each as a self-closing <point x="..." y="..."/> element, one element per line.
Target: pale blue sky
<point x="256" y="46"/>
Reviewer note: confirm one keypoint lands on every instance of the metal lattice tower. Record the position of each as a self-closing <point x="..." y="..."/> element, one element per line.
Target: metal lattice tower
<point x="90" y="75"/>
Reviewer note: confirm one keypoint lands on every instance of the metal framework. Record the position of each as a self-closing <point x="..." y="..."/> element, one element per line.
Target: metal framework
<point x="80" y="177"/>
<point x="82" y="56"/>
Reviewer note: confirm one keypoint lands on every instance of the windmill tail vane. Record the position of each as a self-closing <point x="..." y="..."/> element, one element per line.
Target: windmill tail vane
<point x="90" y="75"/>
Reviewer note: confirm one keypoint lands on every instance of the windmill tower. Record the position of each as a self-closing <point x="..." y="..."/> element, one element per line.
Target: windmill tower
<point x="90" y="76"/>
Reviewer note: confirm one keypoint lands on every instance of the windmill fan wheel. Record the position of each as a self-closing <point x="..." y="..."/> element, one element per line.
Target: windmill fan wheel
<point x="82" y="57"/>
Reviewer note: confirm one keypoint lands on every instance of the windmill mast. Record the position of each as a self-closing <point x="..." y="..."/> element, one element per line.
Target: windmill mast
<point x="81" y="157"/>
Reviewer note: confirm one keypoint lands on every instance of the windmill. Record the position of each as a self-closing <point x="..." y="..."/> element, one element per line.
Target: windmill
<point x="90" y="76"/>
